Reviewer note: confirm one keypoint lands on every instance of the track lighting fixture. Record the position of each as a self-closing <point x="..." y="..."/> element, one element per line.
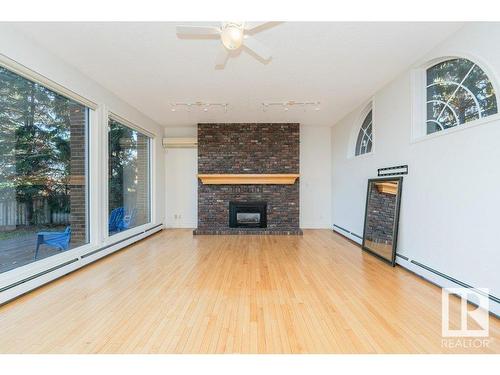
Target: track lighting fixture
<point x="205" y="107"/>
<point x="287" y="105"/>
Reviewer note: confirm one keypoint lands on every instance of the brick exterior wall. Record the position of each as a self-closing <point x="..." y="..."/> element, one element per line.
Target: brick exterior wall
<point x="78" y="119"/>
<point x="142" y="192"/>
<point x="248" y="148"/>
<point x="380" y="216"/>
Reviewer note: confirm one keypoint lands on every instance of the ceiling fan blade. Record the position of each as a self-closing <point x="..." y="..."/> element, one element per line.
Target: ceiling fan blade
<point x="249" y="26"/>
<point x="257" y="47"/>
<point x="198" y="30"/>
<point x="221" y="58"/>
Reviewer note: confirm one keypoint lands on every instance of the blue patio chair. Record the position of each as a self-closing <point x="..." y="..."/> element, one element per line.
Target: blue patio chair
<point x="128" y="220"/>
<point x="59" y="240"/>
<point x="115" y="223"/>
<point x="119" y="220"/>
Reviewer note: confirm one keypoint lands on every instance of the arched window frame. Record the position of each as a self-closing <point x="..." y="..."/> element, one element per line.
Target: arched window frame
<point x="358" y="123"/>
<point x="419" y="97"/>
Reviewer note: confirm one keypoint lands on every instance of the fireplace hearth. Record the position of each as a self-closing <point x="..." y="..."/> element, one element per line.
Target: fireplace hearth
<point x="247" y="214"/>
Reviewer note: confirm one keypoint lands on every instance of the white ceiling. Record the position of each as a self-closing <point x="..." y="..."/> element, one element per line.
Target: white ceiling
<point x="148" y="66"/>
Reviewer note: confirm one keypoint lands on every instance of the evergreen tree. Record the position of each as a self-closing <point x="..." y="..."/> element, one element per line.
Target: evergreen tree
<point x="122" y="159"/>
<point x="458" y="91"/>
<point x="34" y="142"/>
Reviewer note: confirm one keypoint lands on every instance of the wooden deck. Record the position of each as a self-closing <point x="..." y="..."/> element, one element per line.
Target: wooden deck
<point x="18" y="251"/>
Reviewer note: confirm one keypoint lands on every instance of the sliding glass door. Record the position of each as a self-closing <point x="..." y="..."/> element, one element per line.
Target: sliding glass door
<point x="128" y="178"/>
<point x="43" y="172"/>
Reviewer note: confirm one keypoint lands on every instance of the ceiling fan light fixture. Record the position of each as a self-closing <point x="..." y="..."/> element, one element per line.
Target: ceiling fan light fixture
<point x="232" y="36"/>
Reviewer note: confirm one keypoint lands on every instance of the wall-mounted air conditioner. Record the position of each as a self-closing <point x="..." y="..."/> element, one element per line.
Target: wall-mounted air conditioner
<point x="180" y="142"/>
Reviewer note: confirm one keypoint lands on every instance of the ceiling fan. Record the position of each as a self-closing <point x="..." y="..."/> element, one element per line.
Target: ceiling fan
<point x="233" y="35"/>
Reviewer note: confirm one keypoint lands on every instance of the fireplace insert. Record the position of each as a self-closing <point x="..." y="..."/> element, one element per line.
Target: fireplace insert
<point x="247" y="214"/>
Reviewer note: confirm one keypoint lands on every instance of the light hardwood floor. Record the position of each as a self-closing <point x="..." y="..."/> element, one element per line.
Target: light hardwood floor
<point x="178" y="293"/>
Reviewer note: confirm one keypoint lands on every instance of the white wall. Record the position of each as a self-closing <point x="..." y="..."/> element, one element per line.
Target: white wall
<point x="450" y="201"/>
<point x="181" y="183"/>
<point x="181" y="188"/>
<point x="315" y="177"/>
<point x="315" y="181"/>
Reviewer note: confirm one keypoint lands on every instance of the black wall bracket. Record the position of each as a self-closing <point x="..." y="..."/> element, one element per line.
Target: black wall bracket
<point x="393" y="171"/>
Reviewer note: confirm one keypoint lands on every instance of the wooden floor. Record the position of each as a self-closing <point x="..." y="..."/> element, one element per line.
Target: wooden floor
<point x="178" y="293"/>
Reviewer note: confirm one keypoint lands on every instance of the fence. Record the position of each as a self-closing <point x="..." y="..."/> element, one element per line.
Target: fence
<point x="13" y="213"/>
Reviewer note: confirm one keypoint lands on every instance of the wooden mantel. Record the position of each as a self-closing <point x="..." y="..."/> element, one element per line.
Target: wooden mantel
<point x="387" y="187"/>
<point x="248" y="179"/>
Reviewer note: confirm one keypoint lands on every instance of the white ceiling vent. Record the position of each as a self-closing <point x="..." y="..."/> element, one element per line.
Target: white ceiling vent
<point x="180" y="142"/>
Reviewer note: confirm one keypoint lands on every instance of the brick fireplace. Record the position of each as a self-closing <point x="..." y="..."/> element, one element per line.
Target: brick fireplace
<point x="237" y="148"/>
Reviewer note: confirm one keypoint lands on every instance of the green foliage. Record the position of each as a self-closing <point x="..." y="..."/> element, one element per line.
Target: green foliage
<point x="34" y="142"/>
<point x="122" y="148"/>
<point x="458" y="91"/>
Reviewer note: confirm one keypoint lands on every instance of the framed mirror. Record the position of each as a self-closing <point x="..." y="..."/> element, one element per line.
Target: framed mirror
<point x="380" y="232"/>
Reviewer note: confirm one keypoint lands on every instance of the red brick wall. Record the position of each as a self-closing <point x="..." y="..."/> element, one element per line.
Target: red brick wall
<point x="78" y="120"/>
<point x="248" y="148"/>
<point x="142" y="176"/>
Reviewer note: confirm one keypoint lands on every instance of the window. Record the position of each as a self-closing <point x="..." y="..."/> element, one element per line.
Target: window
<point x="365" y="136"/>
<point x="458" y="91"/>
<point x="128" y="176"/>
<point x="43" y="170"/>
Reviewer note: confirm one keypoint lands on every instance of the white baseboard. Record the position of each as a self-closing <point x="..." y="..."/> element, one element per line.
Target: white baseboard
<point x="348" y="234"/>
<point x="444" y="281"/>
<point x="182" y="225"/>
<point x="315" y="225"/>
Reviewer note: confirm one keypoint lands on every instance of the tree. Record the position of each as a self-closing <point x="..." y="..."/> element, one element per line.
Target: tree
<point x="122" y="159"/>
<point x="34" y="142"/>
<point x="453" y="87"/>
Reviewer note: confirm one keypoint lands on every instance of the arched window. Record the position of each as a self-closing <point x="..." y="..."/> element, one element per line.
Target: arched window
<point x="365" y="136"/>
<point x="458" y="91"/>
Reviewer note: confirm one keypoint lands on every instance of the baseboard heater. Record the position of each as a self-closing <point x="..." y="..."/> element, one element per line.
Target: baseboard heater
<point x="452" y="279"/>
<point x="25" y="280"/>
<point x="348" y="231"/>
<point x="52" y="269"/>
<point x="430" y="269"/>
